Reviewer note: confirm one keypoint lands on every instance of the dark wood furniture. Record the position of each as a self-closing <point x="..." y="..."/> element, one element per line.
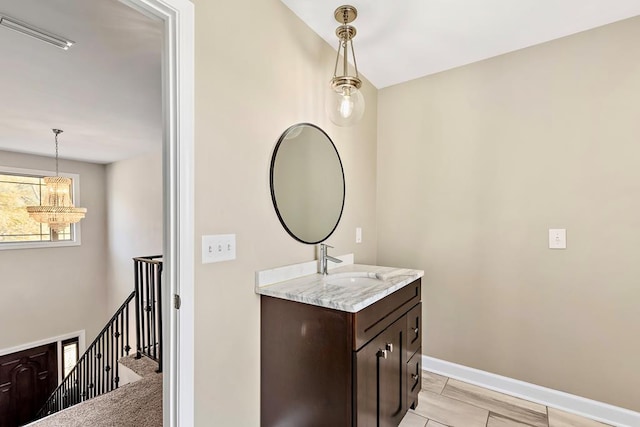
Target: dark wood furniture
<point x="325" y="367"/>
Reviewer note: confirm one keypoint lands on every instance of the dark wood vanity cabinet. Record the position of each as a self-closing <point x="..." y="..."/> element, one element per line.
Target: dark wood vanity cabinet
<point x="325" y="367"/>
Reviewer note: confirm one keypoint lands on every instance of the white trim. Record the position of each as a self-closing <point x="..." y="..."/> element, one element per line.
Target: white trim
<point x="37" y="173"/>
<point x="27" y="346"/>
<point x="58" y="340"/>
<point x="178" y="76"/>
<point x="593" y="409"/>
<point x="76" y="228"/>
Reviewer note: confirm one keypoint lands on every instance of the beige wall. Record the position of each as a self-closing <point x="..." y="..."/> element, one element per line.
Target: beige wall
<point x="259" y="69"/>
<point x="477" y="163"/>
<point x="134" y="214"/>
<point x="54" y="291"/>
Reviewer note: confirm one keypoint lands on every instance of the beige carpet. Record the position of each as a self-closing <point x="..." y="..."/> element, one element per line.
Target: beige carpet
<point x="137" y="404"/>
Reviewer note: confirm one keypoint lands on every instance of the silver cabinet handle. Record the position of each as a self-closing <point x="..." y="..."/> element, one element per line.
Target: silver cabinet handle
<point x="416" y="330"/>
<point x="414" y="377"/>
<point x="382" y="353"/>
<point x="389" y="347"/>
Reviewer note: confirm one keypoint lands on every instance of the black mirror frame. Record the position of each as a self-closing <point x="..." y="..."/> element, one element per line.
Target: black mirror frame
<point x="273" y="196"/>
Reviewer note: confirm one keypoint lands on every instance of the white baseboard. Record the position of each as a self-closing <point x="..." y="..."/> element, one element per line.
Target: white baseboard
<point x="593" y="409"/>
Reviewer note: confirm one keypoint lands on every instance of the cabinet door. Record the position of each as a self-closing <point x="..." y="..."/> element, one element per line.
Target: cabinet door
<point x="366" y="384"/>
<point x="392" y="376"/>
<point x="381" y="390"/>
<point x="414" y="379"/>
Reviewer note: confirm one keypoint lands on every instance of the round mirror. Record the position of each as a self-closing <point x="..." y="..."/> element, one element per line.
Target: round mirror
<point x="307" y="183"/>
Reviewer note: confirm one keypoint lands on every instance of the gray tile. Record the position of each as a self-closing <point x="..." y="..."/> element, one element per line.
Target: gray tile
<point x="413" y="420"/>
<point x="510" y="407"/>
<point x="432" y="423"/>
<point x="558" y="418"/>
<point x="500" y="421"/>
<point x="450" y="412"/>
<point x="433" y="382"/>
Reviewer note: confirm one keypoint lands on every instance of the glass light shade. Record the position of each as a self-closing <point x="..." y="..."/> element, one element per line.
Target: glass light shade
<point x="345" y="105"/>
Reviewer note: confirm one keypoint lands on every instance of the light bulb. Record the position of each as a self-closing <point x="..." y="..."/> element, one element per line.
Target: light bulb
<point x="345" y="105"/>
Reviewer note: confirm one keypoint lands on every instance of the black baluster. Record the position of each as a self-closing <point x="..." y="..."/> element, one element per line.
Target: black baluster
<point x="159" y="307"/>
<point x="137" y="279"/>
<point x="97" y="368"/>
<point x="100" y="371"/>
<point x="74" y="383"/>
<point x="152" y="311"/>
<point x="117" y="349"/>
<point x="126" y="330"/>
<point x="105" y="364"/>
<point x="110" y="364"/>
<point x="85" y="376"/>
<point x="92" y="378"/>
<point x="89" y="390"/>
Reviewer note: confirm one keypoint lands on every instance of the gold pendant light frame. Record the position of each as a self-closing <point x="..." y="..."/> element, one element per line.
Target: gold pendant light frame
<point x="345" y="15"/>
<point x="57" y="209"/>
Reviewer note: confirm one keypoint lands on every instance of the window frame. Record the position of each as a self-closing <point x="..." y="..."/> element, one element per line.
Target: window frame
<point x="75" y="228"/>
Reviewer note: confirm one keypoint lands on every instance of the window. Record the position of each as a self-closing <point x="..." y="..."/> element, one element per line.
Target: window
<point x="69" y="355"/>
<point x="20" y="188"/>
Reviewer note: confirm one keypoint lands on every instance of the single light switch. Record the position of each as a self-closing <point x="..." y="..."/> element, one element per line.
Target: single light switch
<point x="358" y="234"/>
<point x="557" y="238"/>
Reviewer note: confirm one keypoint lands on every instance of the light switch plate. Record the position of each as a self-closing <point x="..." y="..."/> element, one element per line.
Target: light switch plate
<point x="358" y="234"/>
<point x="557" y="238"/>
<point x="218" y="247"/>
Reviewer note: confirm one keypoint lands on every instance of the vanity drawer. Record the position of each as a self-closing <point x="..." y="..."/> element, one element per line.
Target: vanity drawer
<point x="414" y="329"/>
<point x="372" y="320"/>
<point x="414" y="379"/>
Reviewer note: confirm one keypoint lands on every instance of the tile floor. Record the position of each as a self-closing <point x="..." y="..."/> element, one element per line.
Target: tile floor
<point x="448" y="402"/>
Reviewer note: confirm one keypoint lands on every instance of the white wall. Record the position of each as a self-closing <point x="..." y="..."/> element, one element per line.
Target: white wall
<point x="255" y="76"/>
<point x="489" y="157"/>
<point x="134" y="215"/>
<point x="53" y="291"/>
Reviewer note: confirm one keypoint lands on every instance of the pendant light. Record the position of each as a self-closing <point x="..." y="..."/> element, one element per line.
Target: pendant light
<point x="56" y="208"/>
<point x="345" y="104"/>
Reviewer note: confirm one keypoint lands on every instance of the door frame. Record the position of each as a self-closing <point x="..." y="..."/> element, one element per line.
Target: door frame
<point x="178" y="72"/>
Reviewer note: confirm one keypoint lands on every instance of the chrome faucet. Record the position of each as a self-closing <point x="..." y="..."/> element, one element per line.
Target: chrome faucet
<point x="324" y="257"/>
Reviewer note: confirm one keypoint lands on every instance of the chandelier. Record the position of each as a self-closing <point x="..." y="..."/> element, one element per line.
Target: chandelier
<point x="345" y="105"/>
<point x="56" y="208"/>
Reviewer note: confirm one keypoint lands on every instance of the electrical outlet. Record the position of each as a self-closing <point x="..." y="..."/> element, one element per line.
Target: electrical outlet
<point x="218" y="247"/>
<point x="358" y="234"/>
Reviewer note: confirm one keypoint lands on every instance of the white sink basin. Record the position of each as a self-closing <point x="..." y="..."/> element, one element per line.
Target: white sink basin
<point x="360" y="278"/>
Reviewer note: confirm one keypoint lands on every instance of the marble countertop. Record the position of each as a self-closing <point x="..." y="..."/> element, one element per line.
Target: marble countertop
<point x="340" y="290"/>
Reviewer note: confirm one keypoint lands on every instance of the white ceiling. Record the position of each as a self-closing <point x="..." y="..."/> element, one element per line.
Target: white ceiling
<point x="400" y="40"/>
<point x="104" y="92"/>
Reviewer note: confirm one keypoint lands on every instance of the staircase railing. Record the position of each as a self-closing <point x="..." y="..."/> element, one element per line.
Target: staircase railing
<point x="97" y="370"/>
<point x="148" y="279"/>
